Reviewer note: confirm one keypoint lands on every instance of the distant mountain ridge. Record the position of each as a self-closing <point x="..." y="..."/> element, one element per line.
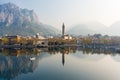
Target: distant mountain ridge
<point x="114" y="29"/>
<point x="17" y="21"/>
<point x="80" y="29"/>
<point x="95" y="27"/>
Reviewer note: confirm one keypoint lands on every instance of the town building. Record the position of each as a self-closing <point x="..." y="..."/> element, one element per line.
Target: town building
<point x="41" y="40"/>
<point x="11" y="40"/>
<point x="65" y="36"/>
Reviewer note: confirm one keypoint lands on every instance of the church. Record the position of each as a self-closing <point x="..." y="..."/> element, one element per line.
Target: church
<point x="65" y="36"/>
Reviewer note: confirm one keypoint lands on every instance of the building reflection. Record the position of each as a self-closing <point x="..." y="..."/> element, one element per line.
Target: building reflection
<point x="12" y="66"/>
<point x="63" y="59"/>
<point x="14" y="62"/>
<point x="98" y="51"/>
<point x="17" y="61"/>
<point x="63" y="51"/>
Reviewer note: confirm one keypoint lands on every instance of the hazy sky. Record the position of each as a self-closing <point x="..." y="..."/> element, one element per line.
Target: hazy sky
<point x="54" y="12"/>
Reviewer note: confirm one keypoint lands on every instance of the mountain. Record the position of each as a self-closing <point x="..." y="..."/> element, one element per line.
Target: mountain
<point x="114" y="29"/>
<point x="87" y="28"/>
<point x="80" y="29"/>
<point x="96" y="26"/>
<point x="24" y="22"/>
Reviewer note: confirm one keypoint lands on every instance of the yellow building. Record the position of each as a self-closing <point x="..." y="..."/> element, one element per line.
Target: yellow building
<point x="11" y="40"/>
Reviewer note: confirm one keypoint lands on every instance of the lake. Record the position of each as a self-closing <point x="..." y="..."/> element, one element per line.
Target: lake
<point x="69" y="63"/>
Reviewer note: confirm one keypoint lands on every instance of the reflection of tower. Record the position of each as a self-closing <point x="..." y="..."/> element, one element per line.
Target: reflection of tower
<point x="63" y="30"/>
<point x="63" y="59"/>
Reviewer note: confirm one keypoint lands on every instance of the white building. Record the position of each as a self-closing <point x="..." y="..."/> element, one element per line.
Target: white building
<point x="38" y="36"/>
<point x="67" y="37"/>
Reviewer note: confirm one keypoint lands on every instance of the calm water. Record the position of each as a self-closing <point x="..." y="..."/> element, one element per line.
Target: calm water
<point x="59" y="64"/>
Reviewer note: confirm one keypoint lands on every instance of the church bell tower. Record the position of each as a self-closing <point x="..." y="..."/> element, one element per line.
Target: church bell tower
<point x="63" y="30"/>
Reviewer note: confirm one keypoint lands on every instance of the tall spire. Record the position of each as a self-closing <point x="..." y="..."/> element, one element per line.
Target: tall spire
<point x="63" y="30"/>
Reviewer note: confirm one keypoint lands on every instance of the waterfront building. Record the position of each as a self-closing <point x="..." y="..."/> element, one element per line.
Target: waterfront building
<point x="41" y="40"/>
<point x="11" y="40"/>
<point x="67" y="37"/>
<point x="64" y="39"/>
<point x="38" y="36"/>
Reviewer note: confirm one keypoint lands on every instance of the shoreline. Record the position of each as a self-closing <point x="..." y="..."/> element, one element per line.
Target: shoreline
<point x="65" y="45"/>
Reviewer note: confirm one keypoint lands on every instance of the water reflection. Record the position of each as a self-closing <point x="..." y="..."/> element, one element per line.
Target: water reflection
<point x="63" y="51"/>
<point x="14" y="62"/>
